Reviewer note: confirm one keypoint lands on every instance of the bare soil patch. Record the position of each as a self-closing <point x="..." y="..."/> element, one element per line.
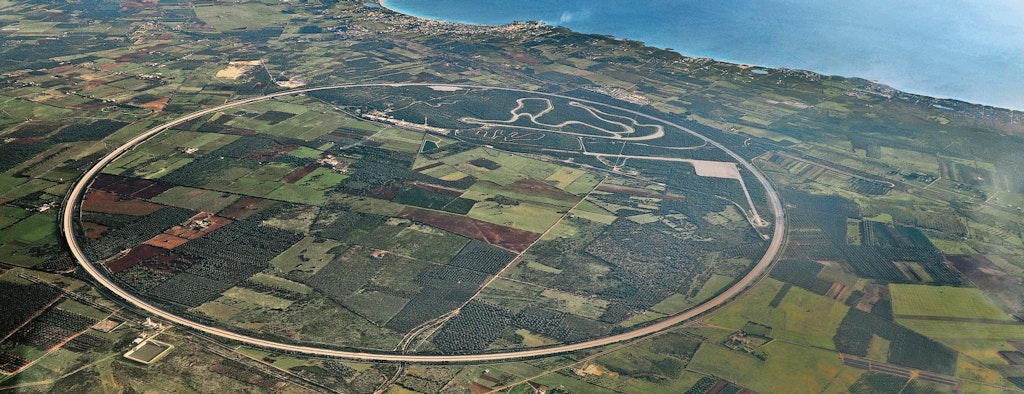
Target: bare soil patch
<point x="107" y="202"/>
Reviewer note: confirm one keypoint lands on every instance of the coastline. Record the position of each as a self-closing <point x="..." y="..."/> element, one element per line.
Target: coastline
<point x="384" y="5"/>
<point x="922" y="93"/>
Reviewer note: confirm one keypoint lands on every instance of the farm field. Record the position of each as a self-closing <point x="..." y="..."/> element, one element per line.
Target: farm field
<point x="800" y="316"/>
<point x="445" y="220"/>
<point x="818" y="369"/>
<point x="250" y="236"/>
<point x="952" y="302"/>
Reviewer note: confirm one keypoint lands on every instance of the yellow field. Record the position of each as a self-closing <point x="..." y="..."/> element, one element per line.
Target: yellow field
<point x="219" y="311"/>
<point x="565" y="176"/>
<point x="264" y="300"/>
<point x="237" y="69"/>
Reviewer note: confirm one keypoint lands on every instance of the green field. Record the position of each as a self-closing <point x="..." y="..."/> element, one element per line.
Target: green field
<point x="8" y="182"/>
<point x="587" y="209"/>
<point x="309" y="125"/>
<point x="801" y="317"/>
<point x="303" y="152"/>
<point x="714" y="285"/>
<point x="944" y="301"/>
<point x="565" y="176"/>
<point x="247" y="186"/>
<point x="281" y="283"/>
<point x="510" y="295"/>
<point x="219" y="310"/>
<point x="196" y="199"/>
<point x="481" y="191"/>
<point x="253" y="15"/>
<point x="204" y="142"/>
<point x="375" y="306"/>
<point x="27" y="188"/>
<point x="425" y="243"/>
<point x="584" y="184"/>
<point x="277" y="360"/>
<point x="674" y="304"/>
<point x="10" y="215"/>
<point x="82" y="309"/>
<point x="527" y="215"/>
<point x="806" y="369"/>
<point x="543" y="268"/>
<point x="241" y="295"/>
<point x="308" y="256"/>
<point x="400" y="140"/>
<point x="31" y="229"/>
<point x="591" y="308"/>
<point x="954" y="329"/>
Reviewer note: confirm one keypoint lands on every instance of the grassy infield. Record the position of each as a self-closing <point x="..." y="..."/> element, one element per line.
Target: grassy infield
<point x="534" y="213"/>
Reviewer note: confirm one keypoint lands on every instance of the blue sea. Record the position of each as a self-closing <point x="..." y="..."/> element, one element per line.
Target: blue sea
<point x="971" y="50"/>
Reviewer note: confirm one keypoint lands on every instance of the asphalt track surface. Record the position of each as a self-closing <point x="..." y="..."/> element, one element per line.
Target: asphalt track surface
<point x="74" y="197"/>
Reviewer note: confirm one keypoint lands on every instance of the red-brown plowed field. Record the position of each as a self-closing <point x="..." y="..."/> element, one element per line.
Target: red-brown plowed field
<point x="543" y="189"/>
<point x="103" y="180"/>
<point x="505" y="237"/>
<point x="300" y="173"/>
<point x="107" y="202"/>
<point x="125" y="186"/>
<point x="142" y="52"/>
<point x="156" y="105"/>
<point x="93" y="230"/>
<point x="272" y="153"/>
<point x="990" y="278"/>
<point x="166" y="241"/>
<point x="169" y="262"/>
<point x="524" y="57"/>
<point x="137" y="255"/>
<point x="385" y="192"/>
<point x="111" y="66"/>
<point x="477" y="388"/>
<point x="153" y="190"/>
<point x="640" y="192"/>
<point x="246" y="206"/>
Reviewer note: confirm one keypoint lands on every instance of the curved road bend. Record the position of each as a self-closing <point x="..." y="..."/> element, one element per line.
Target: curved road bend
<point x="67" y="225"/>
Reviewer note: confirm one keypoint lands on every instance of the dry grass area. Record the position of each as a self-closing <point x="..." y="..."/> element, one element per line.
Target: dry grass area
<point x="237" y="69"/>
<point x="716" y="169"/>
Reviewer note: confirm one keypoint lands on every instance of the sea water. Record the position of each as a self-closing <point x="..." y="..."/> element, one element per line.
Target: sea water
<point x="971" y="50"/>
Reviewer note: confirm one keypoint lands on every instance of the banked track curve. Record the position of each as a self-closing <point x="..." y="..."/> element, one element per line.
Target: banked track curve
<point x="75" y="195"/>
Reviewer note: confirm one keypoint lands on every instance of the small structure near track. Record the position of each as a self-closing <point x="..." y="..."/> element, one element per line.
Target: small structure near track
<point x="148" y="351"/>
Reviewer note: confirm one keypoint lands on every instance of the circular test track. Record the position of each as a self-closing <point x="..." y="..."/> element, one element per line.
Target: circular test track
<point x="751" y="277"/>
